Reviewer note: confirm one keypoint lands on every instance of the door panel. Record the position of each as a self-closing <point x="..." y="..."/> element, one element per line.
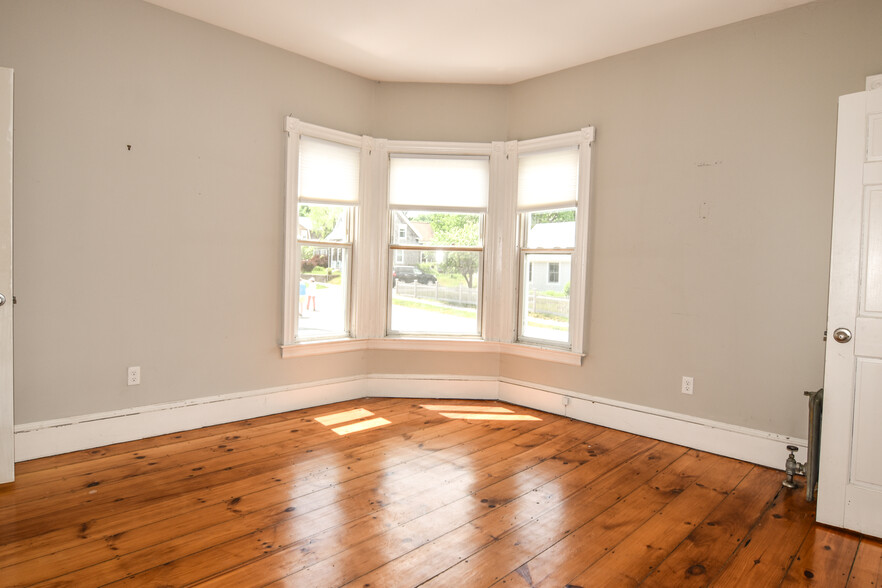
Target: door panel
<point x="872" y="267"/>
<point x="868" y="416"/>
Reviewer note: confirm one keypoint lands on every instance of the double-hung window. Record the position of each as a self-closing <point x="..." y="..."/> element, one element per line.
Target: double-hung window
<point x="323" y="179"/>
<point x="437" y="205"/>
<point x="552" y="240"/>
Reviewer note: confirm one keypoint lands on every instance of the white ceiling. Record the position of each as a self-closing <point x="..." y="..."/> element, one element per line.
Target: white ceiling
<point x="466" y="41"/>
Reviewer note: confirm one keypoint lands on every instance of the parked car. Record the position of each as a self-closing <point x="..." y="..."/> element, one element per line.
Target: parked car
<point x="408" y="274"/>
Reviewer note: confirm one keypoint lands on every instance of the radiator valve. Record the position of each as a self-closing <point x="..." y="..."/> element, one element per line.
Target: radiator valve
<point x="792" y="468"/>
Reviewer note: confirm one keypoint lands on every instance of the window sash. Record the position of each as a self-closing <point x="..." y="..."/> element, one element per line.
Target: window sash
<point x="543" y="333"/>
<point x="435" y="292"/>
<point x="323" y="323"/>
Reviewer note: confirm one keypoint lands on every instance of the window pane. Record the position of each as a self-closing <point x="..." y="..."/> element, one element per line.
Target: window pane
<point x="324" y="288"/>
<point x="551" y="229"/>
<point x="411" y="227"/>
<point x="545" y="311"/>
<point x="438" y="296"/>
<point x="323" y="223"/>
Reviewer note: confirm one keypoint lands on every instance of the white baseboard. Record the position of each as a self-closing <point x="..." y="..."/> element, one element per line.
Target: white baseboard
<point x="422" y="386"/>
<point x="759" y="447"/>
<point x="45" y="438"/>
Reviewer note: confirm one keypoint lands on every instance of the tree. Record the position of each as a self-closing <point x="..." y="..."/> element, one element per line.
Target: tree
<point x="464" y="263"/>
<point x="323" y="219"/>
<point x="553" y="216"/>
<point x="456" y="229"/>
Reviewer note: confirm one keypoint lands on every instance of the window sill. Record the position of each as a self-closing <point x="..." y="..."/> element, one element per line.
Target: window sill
<point x="323" y="347"/>
<point x="312" y="348"/>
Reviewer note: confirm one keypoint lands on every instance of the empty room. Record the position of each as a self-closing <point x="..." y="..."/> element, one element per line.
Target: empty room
<point x="475" y="293"/>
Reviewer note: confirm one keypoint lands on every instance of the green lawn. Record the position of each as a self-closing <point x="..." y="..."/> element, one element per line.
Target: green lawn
<point x="460" y="312"/>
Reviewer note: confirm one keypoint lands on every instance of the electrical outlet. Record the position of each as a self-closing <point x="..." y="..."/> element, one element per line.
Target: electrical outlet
<point x="688" y="385"/>
<point x="134" y="375"/>
<point x="565" y="400"/>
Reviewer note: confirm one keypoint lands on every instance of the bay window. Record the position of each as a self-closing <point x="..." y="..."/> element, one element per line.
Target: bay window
<point x="425" y="245"/>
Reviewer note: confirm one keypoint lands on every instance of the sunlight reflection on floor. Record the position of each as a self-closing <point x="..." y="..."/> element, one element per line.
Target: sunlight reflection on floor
<point x="478" y="412"/>
<point x="361" y="426"/>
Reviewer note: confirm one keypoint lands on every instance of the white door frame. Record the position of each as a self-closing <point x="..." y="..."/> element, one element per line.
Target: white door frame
<point x="7" y="442"/>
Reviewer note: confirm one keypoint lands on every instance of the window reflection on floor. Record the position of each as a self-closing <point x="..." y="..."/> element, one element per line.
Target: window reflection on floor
<point x="478" y="413"/>
<point x="352" y="415"/>
<point x="342" y="417"/>
<point x="458" y="408"/>
<point x="361" y="426"/>
<point x="483" y="416"/>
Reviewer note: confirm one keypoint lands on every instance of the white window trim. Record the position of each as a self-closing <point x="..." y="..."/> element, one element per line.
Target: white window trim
<point x="325" y="347"/>
<point x="442" y="148"/>
<point x="296" y="129"/>
<point x="500" y="276"/>
<point x="584" y="139"/>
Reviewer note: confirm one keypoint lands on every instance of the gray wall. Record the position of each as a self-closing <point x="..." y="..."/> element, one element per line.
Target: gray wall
<point x="742" y="118"/>
<point x="168" y="255"/>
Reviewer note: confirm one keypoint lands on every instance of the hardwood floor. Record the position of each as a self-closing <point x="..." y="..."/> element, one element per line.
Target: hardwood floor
<point x="425" y="497"/>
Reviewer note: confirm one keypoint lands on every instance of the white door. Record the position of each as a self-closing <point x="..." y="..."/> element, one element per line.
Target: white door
<point x="850" y="481"/>
<point x="7" y="449"/>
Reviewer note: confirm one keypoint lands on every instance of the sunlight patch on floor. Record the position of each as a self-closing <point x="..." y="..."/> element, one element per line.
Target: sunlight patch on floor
<point x="342" y="417"/>
<point x="464" y="408"/>
<point x="483" y="416"/>
<point x="478" y="412"/>
<point x="347" y="416"/>
<point x="361" y="426"/>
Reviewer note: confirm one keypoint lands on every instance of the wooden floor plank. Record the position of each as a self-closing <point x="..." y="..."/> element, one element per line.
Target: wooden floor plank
<point x="867" y="569"/>
<point x="262" y="505"/>
<point x="123" y="519"/>
<point x="311" y="514"/>
<point x="632" y="560"/>
<point x="279" y="438"/>
<point x="704" y="552"/>
<point x="769" y="549"/>
<point x="825" y="559"/>
<point x="425" y="499"/>
<point x="482" y="567"/>
<point x="588" y="537"/>
<point x="319" y="444"/>
<point x="338" y="566"/>
<point x="174" y="453"/>
<point x="443" y="504"/>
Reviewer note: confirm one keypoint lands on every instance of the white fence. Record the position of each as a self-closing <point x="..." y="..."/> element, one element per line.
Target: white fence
<point x="458" y="295"/>
<point x="548" y="305"/>
<point x="465" y="296"/>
